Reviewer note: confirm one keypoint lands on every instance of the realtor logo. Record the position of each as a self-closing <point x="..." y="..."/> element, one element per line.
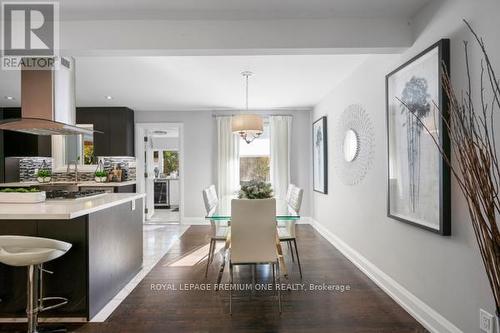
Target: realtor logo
<point x="30" y="30"/>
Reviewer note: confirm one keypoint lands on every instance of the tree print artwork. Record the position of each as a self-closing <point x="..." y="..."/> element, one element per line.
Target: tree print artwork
<point x="319" y="141"/>
<point x="415" y="98"/>
<point x="320" y="169"/>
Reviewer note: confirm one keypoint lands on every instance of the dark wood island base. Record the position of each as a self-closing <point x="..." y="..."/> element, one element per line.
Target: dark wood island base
<point x="106" y="254"/>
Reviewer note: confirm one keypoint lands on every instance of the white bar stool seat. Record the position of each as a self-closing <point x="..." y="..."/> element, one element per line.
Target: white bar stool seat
<point x="32" y="252"/>
<point x="27" y="251"/>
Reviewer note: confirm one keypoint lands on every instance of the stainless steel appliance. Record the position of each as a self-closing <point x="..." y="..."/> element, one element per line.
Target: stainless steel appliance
<point x="47" y="102"/>
<point x="12" y="169"/>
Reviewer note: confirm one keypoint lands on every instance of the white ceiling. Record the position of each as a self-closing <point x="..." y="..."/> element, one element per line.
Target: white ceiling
<point x="236" y="9"/>
<point x="201" y="82"/>
<point x="214" y="82"/>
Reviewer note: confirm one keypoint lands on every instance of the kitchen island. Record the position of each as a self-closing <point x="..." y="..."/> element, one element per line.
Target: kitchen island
<point x="106" y="234"/>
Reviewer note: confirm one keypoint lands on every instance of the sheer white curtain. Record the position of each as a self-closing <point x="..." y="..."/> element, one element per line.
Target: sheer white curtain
<point x="228" y="162"/>
<point x="281" y="131"/>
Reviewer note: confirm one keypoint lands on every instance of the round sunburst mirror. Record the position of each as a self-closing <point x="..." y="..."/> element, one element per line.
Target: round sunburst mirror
<point x="354" y="144"/>
<point x="351" y="145"/>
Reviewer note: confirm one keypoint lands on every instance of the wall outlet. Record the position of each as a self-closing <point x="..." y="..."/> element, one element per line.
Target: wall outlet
<point x="486" y="321"/>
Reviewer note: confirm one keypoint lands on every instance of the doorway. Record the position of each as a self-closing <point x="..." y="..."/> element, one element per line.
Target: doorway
<point x="160" y="171"/>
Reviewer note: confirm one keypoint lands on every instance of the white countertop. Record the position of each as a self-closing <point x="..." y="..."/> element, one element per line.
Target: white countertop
<point x="80" y="184"/>
<point x="64" y="209"/>
<point x="110" y="184"/>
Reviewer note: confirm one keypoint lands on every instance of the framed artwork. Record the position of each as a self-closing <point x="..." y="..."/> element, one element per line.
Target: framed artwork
<point x="418" y="176"/>
<point x="320" y="156"/>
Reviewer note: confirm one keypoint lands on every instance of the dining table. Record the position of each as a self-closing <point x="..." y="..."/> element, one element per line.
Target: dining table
<point x="222" y="214"/>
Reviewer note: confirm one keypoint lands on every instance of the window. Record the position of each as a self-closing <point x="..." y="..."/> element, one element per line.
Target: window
<point x="170" y="162"/>
<point x="79" y="148"/>
<point x="255" y="158"/>
<point x="68" y="149"/>
<point x="168" y="165"/>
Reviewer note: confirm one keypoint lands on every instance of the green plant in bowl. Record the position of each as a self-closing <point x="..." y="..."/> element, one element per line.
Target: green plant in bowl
<point x="44" y="176"/>
<point x="20" y="190"/>
<point x="100" y="176"/>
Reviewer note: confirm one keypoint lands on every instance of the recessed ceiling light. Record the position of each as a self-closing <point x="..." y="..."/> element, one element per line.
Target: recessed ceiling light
<point x="108" y="97"/>
<point x="10" y="98"/>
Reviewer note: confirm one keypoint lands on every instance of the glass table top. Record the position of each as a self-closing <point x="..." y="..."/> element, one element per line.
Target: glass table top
<point x="222" y="212"/>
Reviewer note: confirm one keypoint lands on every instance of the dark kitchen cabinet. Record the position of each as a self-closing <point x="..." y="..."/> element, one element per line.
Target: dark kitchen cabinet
<point x="100" y="120"/>
<point x="117" y="127"/>
<point x="16" y="144"/>
<point x="22" y="144"/>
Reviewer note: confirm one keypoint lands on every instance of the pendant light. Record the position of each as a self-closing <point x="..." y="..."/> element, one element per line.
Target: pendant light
<point x="248" y="126"/>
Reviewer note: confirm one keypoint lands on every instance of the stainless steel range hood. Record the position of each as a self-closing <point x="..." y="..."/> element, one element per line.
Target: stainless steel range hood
<point x="47" y="102"/>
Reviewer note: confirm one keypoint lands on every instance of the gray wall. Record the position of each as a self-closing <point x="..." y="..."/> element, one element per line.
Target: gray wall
<point x="444" y="272"/>
<point x="200" y="153"/>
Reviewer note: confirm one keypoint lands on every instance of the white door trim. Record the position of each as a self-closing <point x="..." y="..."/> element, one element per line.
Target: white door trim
<point x="139" y="148"/>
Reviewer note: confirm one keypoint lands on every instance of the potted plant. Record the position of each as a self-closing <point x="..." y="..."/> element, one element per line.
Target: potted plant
<point x="256" y="190"/>
<point x="22" y="195"/>
<point x="44" y="176"/>
<point x="100" y="176"/>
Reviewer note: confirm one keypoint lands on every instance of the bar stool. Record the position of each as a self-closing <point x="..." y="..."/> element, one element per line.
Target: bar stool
<point x="32" y="252"/>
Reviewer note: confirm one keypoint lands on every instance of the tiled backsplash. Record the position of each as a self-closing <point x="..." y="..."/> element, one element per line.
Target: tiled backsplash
<point x="28" y="165"/>
<point x="127" y="164"/>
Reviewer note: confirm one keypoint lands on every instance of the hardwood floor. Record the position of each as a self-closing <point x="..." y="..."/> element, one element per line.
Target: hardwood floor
<point x="364" y="308"/>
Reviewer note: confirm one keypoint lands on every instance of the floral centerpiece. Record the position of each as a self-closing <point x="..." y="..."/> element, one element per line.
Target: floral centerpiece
<point x="256" y="190"/>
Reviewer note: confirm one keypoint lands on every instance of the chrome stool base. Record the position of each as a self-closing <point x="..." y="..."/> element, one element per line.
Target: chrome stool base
<point x="35" y="304"/>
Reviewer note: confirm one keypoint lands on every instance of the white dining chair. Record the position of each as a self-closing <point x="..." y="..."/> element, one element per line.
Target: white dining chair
<point x="219" y="229"/>
<point x="286" y="230"/>
<point x="253" y="237"/>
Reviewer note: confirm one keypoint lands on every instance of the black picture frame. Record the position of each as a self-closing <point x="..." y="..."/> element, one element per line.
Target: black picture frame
<point x="444" y="223"/>
<point x="322" y="122"/>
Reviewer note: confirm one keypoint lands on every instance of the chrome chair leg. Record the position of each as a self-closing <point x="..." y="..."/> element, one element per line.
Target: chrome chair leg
<point x="298" y="259"/>
<point x="275" y="289"/>
<point x="279" y="282"/>
<point x="274" y="275"/>
<point x="212" y="256"/>
<point x="231" y="289"/>
<point x="208" y="258"/>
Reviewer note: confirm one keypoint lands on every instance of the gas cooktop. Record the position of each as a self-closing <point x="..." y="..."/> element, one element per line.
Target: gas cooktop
<point x="61" y="195"/>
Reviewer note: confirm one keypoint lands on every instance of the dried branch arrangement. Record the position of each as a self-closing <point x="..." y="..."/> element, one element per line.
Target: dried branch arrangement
<point x="471" y="128"/>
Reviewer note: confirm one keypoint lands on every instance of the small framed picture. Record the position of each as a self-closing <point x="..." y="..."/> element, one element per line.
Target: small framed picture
<point x="320" y="156"/>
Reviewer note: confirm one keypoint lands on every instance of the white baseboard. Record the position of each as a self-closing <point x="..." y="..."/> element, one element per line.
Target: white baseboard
<point x="428" y="317"/>
<point x="202" y="221"/>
